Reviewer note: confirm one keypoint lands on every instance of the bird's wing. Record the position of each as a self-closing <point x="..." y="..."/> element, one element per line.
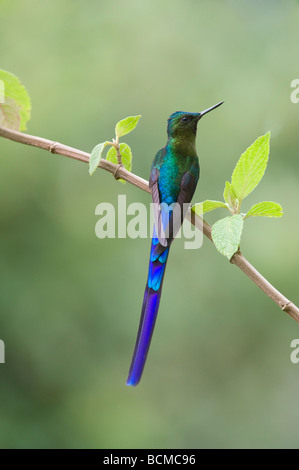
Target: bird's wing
<point x="178" y="212"/>
<point x="160" y="217"/>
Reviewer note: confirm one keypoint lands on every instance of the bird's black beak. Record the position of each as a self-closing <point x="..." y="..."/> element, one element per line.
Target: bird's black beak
<point x="209" y="109"/>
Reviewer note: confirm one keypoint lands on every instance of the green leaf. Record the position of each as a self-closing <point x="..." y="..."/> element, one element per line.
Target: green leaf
<point x="10" y="114"/>
<point x="207" y="206"/>
<point x="226" y="234"/>
<point x="15" y="106"/>
<point x="126" y="125"/>
<point x="265" y="209"/>
<point x="251" y="167"/>
<point x="126" y="157"/>
<point x="95" y="156"/>
<point x="230" y="196"/>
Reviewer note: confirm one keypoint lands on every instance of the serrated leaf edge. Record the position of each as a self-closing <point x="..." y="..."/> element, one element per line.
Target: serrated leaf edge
<point x="137" y="117"/>
<point x="222" y="252"/>
<point x="264" y="215"/>
<point x="92" y="170"/>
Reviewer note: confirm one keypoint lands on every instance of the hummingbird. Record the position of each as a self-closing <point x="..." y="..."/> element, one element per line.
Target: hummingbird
<point x="173" y="180"/>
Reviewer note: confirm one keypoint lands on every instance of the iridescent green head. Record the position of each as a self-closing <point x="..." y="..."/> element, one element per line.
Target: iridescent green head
<point x="184" y="124"/>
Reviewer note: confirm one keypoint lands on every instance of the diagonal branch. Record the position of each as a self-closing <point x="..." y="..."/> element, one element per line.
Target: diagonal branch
<point x="238" y="259"/>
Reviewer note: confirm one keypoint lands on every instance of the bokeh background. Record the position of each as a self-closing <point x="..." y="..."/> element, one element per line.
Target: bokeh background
<point x="219" y="372"/>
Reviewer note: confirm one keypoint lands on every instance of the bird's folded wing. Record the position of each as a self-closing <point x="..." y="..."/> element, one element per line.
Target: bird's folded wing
<point x="159" y="216"/>
<point x="169" y="218"/>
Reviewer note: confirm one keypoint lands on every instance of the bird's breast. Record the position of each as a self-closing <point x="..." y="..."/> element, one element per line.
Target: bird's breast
<point x="169" y="181"/>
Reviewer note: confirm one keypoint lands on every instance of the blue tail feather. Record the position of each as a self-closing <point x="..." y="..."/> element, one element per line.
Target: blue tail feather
<point x="149" y="313"/>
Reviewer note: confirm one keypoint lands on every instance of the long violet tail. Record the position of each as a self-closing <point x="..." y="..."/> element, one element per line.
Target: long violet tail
<point x="149" y="312"/>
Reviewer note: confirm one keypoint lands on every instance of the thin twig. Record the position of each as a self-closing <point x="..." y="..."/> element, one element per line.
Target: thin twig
<point x="118" y="156"/>
<point x="238" y="259"/>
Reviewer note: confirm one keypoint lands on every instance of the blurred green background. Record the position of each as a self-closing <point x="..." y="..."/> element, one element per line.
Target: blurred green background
<point x="219" y="372"/>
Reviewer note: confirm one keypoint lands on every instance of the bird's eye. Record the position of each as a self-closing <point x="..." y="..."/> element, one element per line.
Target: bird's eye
<point x="185" y="118"/>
